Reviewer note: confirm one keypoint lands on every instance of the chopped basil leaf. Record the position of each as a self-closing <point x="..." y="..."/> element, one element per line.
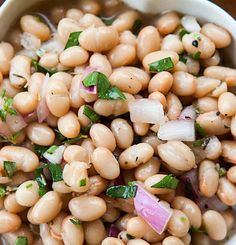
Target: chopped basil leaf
<point x="197" y="36"/>
<point x="73" y="39"/>
<point x="10" y="168"/>
<point x="3" y="191"/>
<point x="75" y="140"/>
<point x="7" y="108"/>
<point x="198" y="111"/>
<point x="3" y="93"/>
<point x="202" y="143"/>
<point x="183" y="59"/>
<point x="105" y="90"/>
<point x="197" y="230"/>
<point x="226" y="126"/>
<point x="165" y="64"/>
<point x="42" y="69"/>
<point x="52" y="149"/>
<point x="40" y="150"/>
<point x="222" y="172"/>
<point x="29" y="186"/>
<point x="196" y="56"/>
<point x="59" y="136"/>
<point x="129" y="237"/>
<point x="183" y="32"/>
<point x="107" y="20"/>
<point x="75" y="222"/>
<point x="200" y="130"/>
<point x="39" y="177"/>
<point x="21" y="240"/>
<point x="12" y="139"/>
<point x="122" y="191"/>
<point x="137" y="26"/>
<point x="168" y="181"/>
<point x="82" y="182"/>
<point x="56" y="172"/>
<point x="91" y="114"/>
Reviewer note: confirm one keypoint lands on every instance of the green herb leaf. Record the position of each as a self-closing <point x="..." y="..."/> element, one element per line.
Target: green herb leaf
<point x="197" y="230"/>
<point x="129" y="237"/>
<point x="91" y="114"/>
<point x="3" y="93"/>
<point x="75" y="222"/>
<point x="200" y="130"/>
<point x="29" y="186"/>
<point x="201" y="143"/>
<point x="3" y="191"/>
<point x="183" y="32"/>
<point x="59" y="136"/>
<point x="39" y="177"/>
<point x="82" y="182"/>
<point x="52" y="149"/>
<point x="196" y="56"/>
<point x="21" y="240"/>
<point x="7" y="108"/>
<point x="92" y="79"/>
<point x="75" y="140"/>
<point x="56" y="172"/>
<point x="107" y="20"/>
<point x="226" y="126"/>
<point x="168" y="181"/>
<point x="222" y="172"/>
<point x="122" y="191"/>
<point x="138" y="24"/>
<point x="42" y="69"/>
<point x="183" y="59"/>
<point x="165" y="64"/>
<point x="10" y="168"/>
<point x="113" y="93"/>
<point x="40" y="150"/>
<point x="73" y="39"/>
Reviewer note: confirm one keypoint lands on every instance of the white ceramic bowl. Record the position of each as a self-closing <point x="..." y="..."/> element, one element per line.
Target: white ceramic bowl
<point x="204" y="10"/>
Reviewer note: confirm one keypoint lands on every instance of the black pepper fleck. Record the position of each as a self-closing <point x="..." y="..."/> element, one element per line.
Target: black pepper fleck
<point x="217" y="113"/>
<point x="195" y="43"/>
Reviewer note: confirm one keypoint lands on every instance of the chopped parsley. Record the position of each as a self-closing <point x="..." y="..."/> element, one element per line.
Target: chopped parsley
<point x="29" y="186"/>
<point x="91" y="114"/>
<point x="122" y="191"/>
<point x="40" y="150"/>
<point x="200" y="130"/>
<point x="202" y="143"/>
<point x="52" y="149"/>
<point x="197" y="230"/>
<point x="3" y="191"/>
<point x="107" y="20"/>
<point x="10" y="168"/>
<point x="56" y="172"/>
<point x="21" y="240"/>
<point x="196" y="56"/>
<point x="39" y="177"/>
<point x="73" y="39"/>
<point x="43" y="69"/>
<point x="82" y="182"/>
<point x="165" y="64"/>
<point x="137" y="26"/>
<point x="182" y="33"/>
<point x="168" y="181"/>
<point x="7" y="108"/>
<point x="75" y="221"/>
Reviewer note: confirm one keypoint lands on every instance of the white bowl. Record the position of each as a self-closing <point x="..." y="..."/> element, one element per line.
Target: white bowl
<point x="204" y="10"/>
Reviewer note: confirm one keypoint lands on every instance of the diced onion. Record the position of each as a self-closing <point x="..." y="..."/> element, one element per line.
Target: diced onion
<point x="151" y="210"/>
<point x="177" y="130"/>
<point x="53" y="45"/>
<point x="15" y="123"/>
<point x="188" y="113"/>
<point x="57" y="156"/>
<point x="190" y="24"/>
<point x="113" y="231"/>
<point x="146" y="111"/>
<point x="30" y="41"/>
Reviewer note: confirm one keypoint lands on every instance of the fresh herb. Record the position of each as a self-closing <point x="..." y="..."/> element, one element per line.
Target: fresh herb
<point x="197" y="36"/>
<point x="198" y="111"/>
<point x="105" y="90"/>
<point x="75" y="222"/>
<point x="201" y="143"/>
<point x="40" y="52"/>
<point x="39" y="177"/>
<point x="10" y="168"/>
<point x="168" y="181"/>
<point x="183" y="59"/>
<point x="3" y="191"/>
<point x="182" y="33"/>
<point x="82" y="182"/>
<point x="7" y="107"/>
<point x="196" y="56"/>
<point x="52" y="149"/>
<point x="222" y="171"/>
<point x="226" y="126"/>
<point x="91" y="114"/>
<point x="73" y="39"/>
<point x="43" y="69"/>
<point x="75" y="140"/>
<point x="137" y="26"/>
<point x="107" y="20"/>
<point x="59" y="136"/>
<point x="122" y="191"/>
<point x="40" y="150"/>
<point x="183" y="219"/>
<point x="165" y="64"/>
<point x="29" y="186"/>
<point x="12" y="139"/>
<point x="56" y="172"/>
<point x="197" y="230"/>
<point x="3" y="93"/>
<point x="129" y="237"/>
<point x="200" y="130"/>
<point x="21" y="240"/>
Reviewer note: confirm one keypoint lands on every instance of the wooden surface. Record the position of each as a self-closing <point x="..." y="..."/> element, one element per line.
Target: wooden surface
<point x="228" y="5"/>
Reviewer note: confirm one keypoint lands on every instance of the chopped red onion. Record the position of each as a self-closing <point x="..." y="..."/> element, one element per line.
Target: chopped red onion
<point x="4" y="129"/>
<point x="190" y="24"/>
<point x="120" y="180"/>
<point x="146" y="111"/>
<point x="188" y="113"/>
<point x="183" y="130"/>
<point x="113" y="231"/>
<point x="15" y="123"/>
<point x="53" y="45"/>
<point x="57" y="156"/>
<point x="151" y="210"/>
<point x="30" y="117"/>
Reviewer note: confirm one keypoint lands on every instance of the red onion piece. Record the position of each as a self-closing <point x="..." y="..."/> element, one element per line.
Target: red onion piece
<point x="146" y="111"/>
<point x="15" y="123"/>
<point x="30" y="117"/>
<point x="119" y="181"/>
<point x="4" y="129"/>
<point x="153" y="212"/>
<point x="183" y="130"/>
<point x="188" y="113"/>
<point x="113" y="231"/>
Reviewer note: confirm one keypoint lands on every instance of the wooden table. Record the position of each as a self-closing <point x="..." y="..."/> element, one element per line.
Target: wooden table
<point x="228" y="5"/>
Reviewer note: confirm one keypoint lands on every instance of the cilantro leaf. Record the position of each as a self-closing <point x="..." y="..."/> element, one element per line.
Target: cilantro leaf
<point x="168" y="181"/>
